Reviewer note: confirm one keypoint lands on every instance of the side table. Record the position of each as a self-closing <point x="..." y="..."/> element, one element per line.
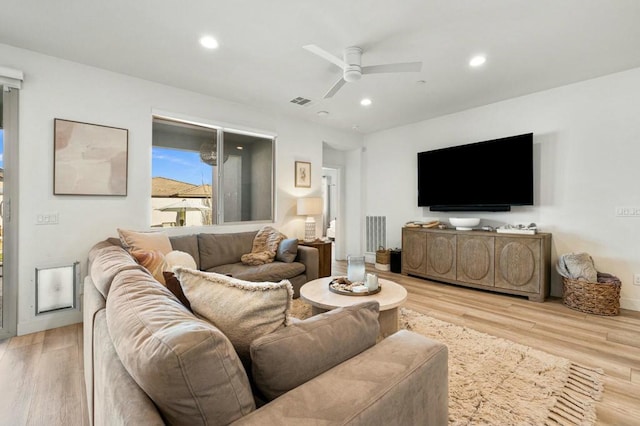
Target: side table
<point x="324" y="256"/>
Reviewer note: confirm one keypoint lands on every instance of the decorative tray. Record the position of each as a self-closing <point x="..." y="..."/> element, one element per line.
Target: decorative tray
<point x="343" y="286"/>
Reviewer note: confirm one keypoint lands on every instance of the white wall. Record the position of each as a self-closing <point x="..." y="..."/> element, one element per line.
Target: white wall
<point x="347" y="160"/>
<point x="55" y="88"/>
<point x="586" y="144"/>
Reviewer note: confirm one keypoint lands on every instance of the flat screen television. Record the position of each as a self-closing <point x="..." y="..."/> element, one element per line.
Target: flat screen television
<point x="491" y="175"/>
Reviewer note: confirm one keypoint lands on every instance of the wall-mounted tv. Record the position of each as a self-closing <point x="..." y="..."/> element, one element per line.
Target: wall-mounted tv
<point x="491" y="175"/>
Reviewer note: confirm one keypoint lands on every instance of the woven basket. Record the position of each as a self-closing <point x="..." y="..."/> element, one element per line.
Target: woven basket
<point x="592" y="298"/>
<point x="383" y="256"/>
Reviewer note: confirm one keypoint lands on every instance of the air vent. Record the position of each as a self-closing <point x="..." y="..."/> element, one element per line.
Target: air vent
<point x="300" y="101"/>
<point x="376" y="232"/>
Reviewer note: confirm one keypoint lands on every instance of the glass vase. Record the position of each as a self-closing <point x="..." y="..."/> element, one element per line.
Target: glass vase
<point x="355" y="268"/>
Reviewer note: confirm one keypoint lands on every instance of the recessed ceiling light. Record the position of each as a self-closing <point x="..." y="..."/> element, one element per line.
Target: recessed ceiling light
<point x="365" y="102"/>
<point x="240" y="148"/>
<point x="209" y="42"/>
<point x="323" y="113"/>
<point x="476" y="61"/>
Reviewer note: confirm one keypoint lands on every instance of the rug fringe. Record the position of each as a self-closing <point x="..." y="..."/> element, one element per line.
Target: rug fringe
<point x="571" y="407"/>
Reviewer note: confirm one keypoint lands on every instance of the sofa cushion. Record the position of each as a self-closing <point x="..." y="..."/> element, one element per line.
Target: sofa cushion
<point x="186" y="365"/>
<point x="220" y="249"/>
<point x="105" y="262"/>
<point x="187" y="244"/>
<point x="287" y="250"/>
<point x="274" y="271"/>
<point x="242" y="310"/>
<point x="112" y="382"/>
<point x="289" y="357"/>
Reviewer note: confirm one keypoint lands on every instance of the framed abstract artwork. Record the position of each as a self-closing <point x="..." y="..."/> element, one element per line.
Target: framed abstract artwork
<point x="303" y="174"/>
<point x="89" y="159"/>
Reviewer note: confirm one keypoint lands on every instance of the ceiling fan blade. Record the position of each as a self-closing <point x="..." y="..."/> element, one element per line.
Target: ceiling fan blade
<point x="335" y="88"/>
<point x="400" y="67"/>
<point x="325" y="55"/>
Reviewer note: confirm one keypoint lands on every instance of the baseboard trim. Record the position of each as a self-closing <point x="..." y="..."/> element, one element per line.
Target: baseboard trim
<point x="50" y="321"/>
<point x="631" y="304"/>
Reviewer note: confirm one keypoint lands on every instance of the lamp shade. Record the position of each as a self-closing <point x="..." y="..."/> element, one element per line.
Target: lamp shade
<point x="309" y="206"/>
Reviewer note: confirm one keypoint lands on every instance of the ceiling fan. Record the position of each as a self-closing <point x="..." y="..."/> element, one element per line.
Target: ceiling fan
<point x="351" y="68"/>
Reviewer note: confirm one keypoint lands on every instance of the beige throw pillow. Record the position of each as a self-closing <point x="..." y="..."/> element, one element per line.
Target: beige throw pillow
<point x="242" y="310"/>
<point x="145" y="240"/>
<point x="148" y="248"/>
<point x="179" y="258"/>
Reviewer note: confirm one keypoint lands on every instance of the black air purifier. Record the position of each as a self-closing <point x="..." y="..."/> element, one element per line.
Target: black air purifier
<point x="396" y="260"/>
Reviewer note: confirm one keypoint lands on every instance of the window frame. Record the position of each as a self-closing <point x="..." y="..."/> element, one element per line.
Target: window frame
<point x="220" y="129"/>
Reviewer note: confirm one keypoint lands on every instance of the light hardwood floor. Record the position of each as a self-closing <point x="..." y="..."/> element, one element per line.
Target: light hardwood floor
<point x="610" y="343"/>
<point x="42" y="380"/>
<point x="42" y="383"/>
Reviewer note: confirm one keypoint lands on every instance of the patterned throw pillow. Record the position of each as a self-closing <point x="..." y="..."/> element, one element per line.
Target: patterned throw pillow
<point x="153" y="260"/>
<point x="148" y="248"/>
<point x="242" y="310"/>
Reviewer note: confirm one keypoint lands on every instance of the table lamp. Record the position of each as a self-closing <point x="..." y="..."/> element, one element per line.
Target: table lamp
<point x="309" y="206"/>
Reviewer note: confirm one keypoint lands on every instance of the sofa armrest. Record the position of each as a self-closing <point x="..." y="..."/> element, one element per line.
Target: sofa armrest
<point x="310" y="258"/>
<point x="401" y="380"/>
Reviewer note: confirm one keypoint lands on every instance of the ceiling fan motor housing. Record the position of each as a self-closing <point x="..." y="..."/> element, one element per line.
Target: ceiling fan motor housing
<point x="352" y="71"/>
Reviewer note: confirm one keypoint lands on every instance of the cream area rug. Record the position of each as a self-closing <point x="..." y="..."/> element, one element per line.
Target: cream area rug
<point x="493" y="381"/>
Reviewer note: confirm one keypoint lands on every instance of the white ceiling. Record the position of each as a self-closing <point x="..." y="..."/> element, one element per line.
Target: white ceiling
<point x="531" y="45"/>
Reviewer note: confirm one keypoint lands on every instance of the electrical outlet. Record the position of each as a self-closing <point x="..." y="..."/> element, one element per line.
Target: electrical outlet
<point x="636" y="279"/>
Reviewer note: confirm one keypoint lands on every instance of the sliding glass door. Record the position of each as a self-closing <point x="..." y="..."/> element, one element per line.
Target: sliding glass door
<point x="8" y="209"/>
<point x="2" y="299"/>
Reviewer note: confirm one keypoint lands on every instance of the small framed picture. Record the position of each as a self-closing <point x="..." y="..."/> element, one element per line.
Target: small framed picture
<point x="303" y="174"/>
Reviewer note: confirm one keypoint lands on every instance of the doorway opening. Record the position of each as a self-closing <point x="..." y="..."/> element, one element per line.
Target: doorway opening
<point x="331" y="209"/>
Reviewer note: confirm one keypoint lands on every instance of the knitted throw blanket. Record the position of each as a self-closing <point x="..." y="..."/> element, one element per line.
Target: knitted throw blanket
<point x="577" y="266"/>
<point x="265" y="246"/>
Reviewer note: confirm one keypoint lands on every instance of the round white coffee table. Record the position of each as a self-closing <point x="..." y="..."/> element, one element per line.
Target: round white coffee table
<point x="391" y="296"/>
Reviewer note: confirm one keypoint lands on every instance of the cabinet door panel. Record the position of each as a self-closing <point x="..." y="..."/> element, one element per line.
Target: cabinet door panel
<point x="414" y="252"/>
<point x="475" y="259"/>
<point x="441" y="255"/>
<point x="518" y="264"/>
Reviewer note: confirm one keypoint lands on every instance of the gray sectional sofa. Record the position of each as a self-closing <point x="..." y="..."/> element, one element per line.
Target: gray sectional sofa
<point x="148" y="360"/>
<point x="221" y="253"/>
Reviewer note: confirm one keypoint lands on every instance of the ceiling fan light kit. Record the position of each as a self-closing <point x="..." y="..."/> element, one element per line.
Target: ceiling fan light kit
<point x="352" y="69"/>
